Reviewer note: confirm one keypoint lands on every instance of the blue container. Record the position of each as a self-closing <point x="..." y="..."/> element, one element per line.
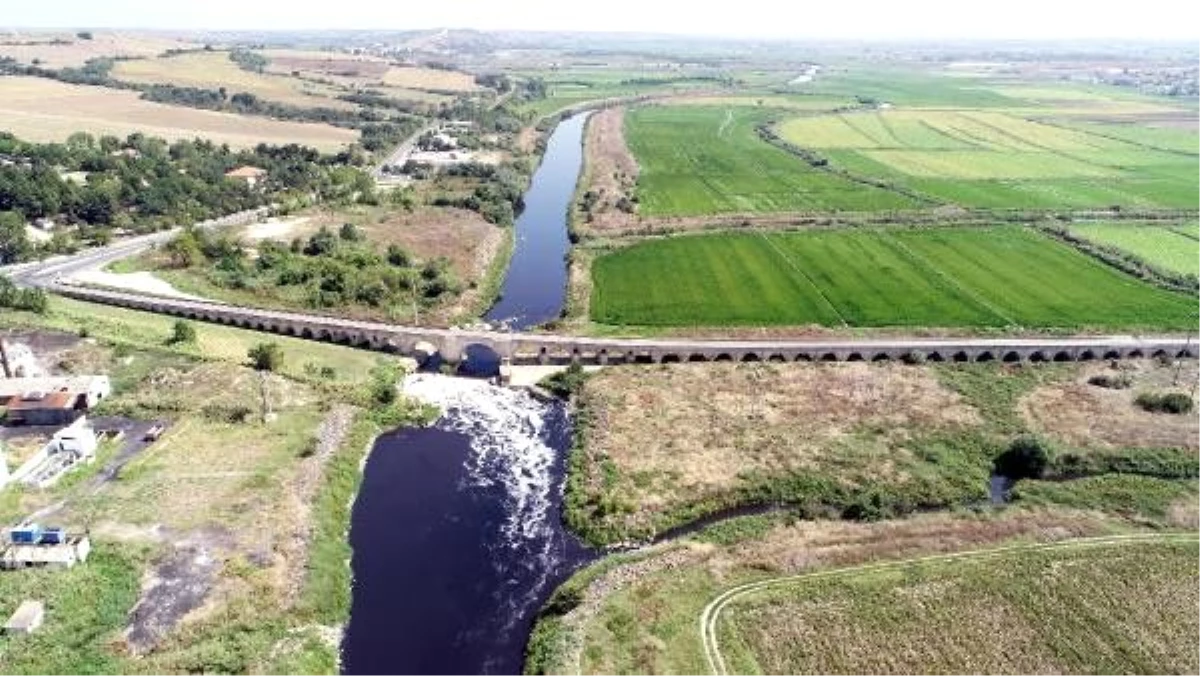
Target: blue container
<point x="25" y="535"/>
<point x="53" y="536"/>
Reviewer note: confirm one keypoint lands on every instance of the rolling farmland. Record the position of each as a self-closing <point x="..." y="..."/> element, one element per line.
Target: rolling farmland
<point x="1102" y="608"/>
<point x="697" y="160"/>
<point x="988" y="158"/>
<point x="1173" y="248"/>
<point x="38" y="109"/>
<point x="943" y="277"/>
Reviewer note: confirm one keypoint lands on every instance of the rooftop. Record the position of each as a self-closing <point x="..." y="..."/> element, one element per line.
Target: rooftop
<point x="246" y="172"/>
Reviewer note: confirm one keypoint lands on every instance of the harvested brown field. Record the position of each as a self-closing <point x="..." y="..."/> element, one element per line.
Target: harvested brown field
<point x="214" y="70"/>
<point x="288" y="61"/>
<point x="610" y="172"/>
<point x="76" y="51"/>
<point x="411" y="77"/>
<point x="1088" y="416"/>
<point x="38" y="109"/>
<point x="668" y="438"/>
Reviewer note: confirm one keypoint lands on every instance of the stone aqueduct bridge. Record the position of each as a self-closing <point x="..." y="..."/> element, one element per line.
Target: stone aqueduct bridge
<point x="529" y="348"/>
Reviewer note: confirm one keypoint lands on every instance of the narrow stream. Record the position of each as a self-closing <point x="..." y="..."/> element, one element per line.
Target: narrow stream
<point x="457" y="530"/>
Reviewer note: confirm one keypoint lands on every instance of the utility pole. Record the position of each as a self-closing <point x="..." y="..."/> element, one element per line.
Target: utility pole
<point x="1187" y="347"/>
<point x="4" y="360"/>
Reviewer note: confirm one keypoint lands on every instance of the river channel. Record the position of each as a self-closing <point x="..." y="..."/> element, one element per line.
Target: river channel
<point x="457" y="530"/>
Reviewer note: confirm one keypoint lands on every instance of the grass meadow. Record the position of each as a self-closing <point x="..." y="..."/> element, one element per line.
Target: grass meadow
<point x="1099" y="609"/>
<point x="1173" y="248"/>
<point x="1004" y="276"/>
<point x="702" y="160"/>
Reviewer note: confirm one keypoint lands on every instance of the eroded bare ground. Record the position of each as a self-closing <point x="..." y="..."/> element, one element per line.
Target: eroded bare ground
<point x="695" y="429"/>
<point x="178" y="584"/>
<point x="1084" y="415"/>
<point x="611" y="173"/>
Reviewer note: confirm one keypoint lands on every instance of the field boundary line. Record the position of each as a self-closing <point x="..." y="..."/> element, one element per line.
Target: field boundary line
<point x="804" y="274"/>
<point x="711" y="612"/>
<point x="949" y="278"/>
<point x="1185" y="235"/>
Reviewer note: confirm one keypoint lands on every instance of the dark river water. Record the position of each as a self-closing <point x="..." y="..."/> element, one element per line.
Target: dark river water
<point x="536" y="284"/>
<point x="457" y="531"/>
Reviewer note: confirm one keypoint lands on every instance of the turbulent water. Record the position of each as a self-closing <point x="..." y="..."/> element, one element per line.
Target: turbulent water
<point x="457" y="533"/>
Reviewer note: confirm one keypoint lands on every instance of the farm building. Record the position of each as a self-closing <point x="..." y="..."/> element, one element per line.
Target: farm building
<point x="51" y="400"/>
<point x="251" y="176"/>
<point x="27" y="618"/>
<point x="68" y="447"/>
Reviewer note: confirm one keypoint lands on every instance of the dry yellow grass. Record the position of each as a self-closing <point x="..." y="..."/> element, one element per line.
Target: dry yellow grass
<point x="213" y="70"/>
<point x="1088" y="416"/>
<point x="429" y="78"/>
<point x="693" y="430"/>
<point x="37" y="109"/>
<point x="78" y="51"/>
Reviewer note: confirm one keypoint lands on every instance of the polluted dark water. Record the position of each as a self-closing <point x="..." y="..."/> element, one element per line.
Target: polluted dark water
<point x="457" y="533"/>
<point x="457" y="529"/>
<point x="535" y="286"/>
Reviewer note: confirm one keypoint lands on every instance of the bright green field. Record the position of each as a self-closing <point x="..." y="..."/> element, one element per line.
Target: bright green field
<point x="976" y="277"/>
<point x="705" y="160"/>
<point x="992" y="159"/>
<point x="1169" y="247"/>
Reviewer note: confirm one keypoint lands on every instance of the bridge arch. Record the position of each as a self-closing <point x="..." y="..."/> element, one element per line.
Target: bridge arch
<point x="724" y="356"/>
<point x="669" y="359"/>
<point x="1063" y="355"/>
<point x="750" y="356"/>
<point x="697" y="357"/>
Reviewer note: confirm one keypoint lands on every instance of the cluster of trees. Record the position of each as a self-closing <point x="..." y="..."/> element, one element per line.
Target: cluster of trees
<point x="16" y="298"/>
<point x="499" y="198"/>
<point x="327" y="270"/>
<point x="248" y="60"/>
<point x="144" y="184"/>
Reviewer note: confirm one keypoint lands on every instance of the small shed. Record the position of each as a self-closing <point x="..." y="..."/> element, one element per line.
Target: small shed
<point x="251" y="176"/>
<point x="27" y="619"/>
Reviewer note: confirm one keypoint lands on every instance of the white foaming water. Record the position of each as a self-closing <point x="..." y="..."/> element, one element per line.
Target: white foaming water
<point x="505" y="428"/>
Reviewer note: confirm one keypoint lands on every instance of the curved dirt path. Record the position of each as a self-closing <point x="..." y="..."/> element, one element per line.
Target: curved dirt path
<point x="712" y="612"/>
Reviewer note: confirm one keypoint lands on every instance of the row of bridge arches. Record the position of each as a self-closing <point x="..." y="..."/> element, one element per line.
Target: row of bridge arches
<point x="603" y="356"/>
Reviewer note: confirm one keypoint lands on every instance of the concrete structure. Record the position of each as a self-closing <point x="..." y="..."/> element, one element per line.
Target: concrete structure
<point x="21" y="361"/>
<point x="75" y="550"/>
<point x="68" y="447"/>
<point x="532" y="348"/>
<point x="251" y="176"/>
<point x="26" y="619"/>
<point x="54" y="400"/>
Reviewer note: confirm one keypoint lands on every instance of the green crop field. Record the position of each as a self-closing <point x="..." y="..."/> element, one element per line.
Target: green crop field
<point x="1114" y="608"/>
<point x="1173" y="248"/>
<point x="997" y="276"/>
<point x="701" y="160"/>
<point x="987" y="158"/>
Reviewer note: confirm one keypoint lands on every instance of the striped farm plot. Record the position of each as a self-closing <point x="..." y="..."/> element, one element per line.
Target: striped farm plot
<point x="697" y="160"/>
<point x="998" y="160"/>
<point x="1173" y="248"/>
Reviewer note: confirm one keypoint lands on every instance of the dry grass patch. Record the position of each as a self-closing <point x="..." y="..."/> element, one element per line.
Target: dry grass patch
<point x="660" y="442"/>
<point x="429" y="78"/>
<point x="77" y="51"/>
<point x="610" y="171"/>
<point x="213" y="70"/>
<point x="37" y="109"/>
<point x="1087" y="416"/>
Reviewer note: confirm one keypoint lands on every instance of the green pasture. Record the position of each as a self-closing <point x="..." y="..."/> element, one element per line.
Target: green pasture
<point x="1173" y="248"/>
<point x="701" y="160"/>
<point x="1005" y="276"/>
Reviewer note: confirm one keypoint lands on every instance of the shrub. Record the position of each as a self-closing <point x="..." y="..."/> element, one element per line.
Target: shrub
<point x="1112" y="382"/>
<point x="1167" y="402"/>
<point x="182" y="332"/>
<point x="1026" y="458"/>
<point x="913" y="357"/>
<point x="266" y="356"/>
<point x="234" y="414"/>
<point x="566" y="383"/>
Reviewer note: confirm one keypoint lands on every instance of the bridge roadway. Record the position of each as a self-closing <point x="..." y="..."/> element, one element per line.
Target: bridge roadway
<point x="534" y="348"/>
